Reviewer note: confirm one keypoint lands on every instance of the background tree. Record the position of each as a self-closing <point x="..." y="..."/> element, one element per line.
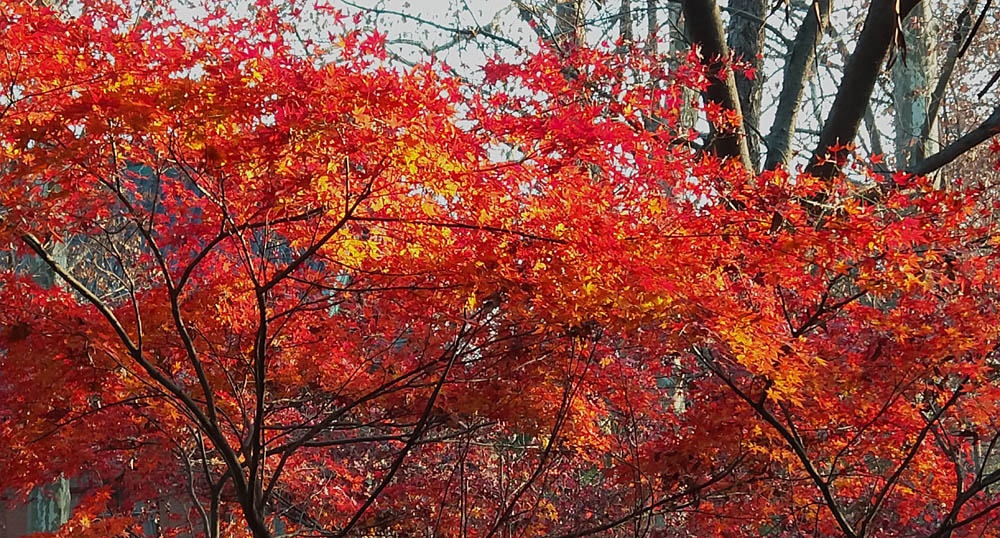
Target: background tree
<point x="900" y="62"/>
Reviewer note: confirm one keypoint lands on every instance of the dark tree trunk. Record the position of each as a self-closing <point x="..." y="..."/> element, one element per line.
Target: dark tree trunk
<point x="704" y="26"/>
<point x="855" y="88"/>
<point x="569" y="22"/>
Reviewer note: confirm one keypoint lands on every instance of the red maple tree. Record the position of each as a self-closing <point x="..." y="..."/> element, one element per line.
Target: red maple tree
<point x="302" y="291"/>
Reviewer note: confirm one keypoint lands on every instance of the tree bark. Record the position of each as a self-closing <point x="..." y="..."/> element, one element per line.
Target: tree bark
<point x="625" y="20"/>
<point x="569" y="22"/>
<point x="677" y="44"/>
<point x="652" y="28"/>
<point x="963" y="30"/>
<point x="911" y="76"/>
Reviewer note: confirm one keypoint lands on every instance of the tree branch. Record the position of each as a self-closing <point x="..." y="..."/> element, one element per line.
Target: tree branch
<point x="653" y="506"/>
<point x="797" y="448"/>
<point x="937" y="96"/>
<point x="982" y="133"/>
<point x="256" y="524"/>
<point x="912" y="453"/>
<point x="746" y="40"/>
<point x="418" y="430"/>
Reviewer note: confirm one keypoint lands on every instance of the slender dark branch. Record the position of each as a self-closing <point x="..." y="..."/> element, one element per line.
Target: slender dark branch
<point x="82" y="289"/>
<point x="161" y="261"/>
<point x="569" y="392"/>
<point x="414" y="437"/>
<point x="890" y="483"/>
<point x="975" y="28"/>
<point x="777" y="33"/>
<point x="89" y="412"/>
<point x="937" y="96"/>
<point x="325" y="443"/>
<point x="463" y="226"/>
<point x="469" y="33"/>
<point x="987" y="454"/>
<point x="896" y="393"/>
<point x="784" y="309"/>
<point x="207" y="249"/>
<point x="218" y="439"/>
<point x="189" y="472"/>
<point x="653" y="506"/>
<point x="950" y="520"/>
<point x="986" y="130"/>
<point x="309" y="252"/>
<point x="793" y="443"/>
<point x="286" y="450"/>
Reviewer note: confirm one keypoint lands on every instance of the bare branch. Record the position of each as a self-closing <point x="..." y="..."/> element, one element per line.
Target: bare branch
<point x="982" y="133"/>
<point x="954" y="53"/>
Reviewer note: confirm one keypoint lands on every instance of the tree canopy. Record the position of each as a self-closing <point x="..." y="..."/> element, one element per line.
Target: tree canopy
<point x="296" y="289"/>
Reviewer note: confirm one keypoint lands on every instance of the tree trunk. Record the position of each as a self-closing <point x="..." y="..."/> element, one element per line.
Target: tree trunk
<point x="625" y="20"/>
<point x="746" y="41"/>
<point x="797" y="72"/>
<point x="704" y="26"/>
<point x="855" y="88"/>
<point x="49" y="506"/>
<point x="913" y="77"/>
<point x="677" y="45"/>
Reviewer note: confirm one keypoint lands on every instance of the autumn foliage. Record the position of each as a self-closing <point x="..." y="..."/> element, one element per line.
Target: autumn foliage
<point x="301" y="290"/>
